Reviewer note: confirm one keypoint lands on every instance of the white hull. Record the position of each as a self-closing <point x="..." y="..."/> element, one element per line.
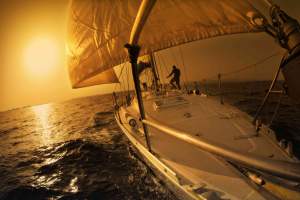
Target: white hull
<point x="194" y="173"/>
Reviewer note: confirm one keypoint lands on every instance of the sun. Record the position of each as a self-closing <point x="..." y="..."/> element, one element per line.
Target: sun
<point x="41" y="56"/>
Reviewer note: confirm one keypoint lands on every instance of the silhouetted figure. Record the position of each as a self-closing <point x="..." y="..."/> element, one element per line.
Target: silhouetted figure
<point x="176" y="77"/>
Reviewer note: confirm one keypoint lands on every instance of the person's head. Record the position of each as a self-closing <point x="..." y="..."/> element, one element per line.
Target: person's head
<point x="174" y="67"/>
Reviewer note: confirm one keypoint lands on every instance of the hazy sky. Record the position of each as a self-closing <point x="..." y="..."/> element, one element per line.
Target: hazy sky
<point x="25" y="22"/>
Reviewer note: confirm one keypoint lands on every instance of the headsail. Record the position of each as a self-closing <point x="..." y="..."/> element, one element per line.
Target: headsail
<point x="98" y="30"/>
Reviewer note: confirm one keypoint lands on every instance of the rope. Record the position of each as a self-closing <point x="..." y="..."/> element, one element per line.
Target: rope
<point x="163" y="67"/>
<point x="251" y="65"/>
<point x="155" y="66"/>
<point x="276" y="111"/>
<point x="159" y="70"/>
<point x="184" y="69"/>
<point x="246" y="67"/>
<point x="124" y="89"/>
<point x="173" y="55"/>
<point x="127" y="75"/>
<point x="163" y="81"/>
<point x="119" y="84"/>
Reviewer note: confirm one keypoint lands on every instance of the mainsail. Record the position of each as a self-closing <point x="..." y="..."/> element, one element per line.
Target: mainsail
<point x="98" y="31"/>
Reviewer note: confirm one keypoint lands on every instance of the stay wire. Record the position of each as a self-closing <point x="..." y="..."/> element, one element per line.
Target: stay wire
<point x="245" y="67"/>
<point x="276" y="111"/>
<point x="127" y="75"/>
<point x="121" y="79"/>
<point x="175" y="59"/>
<point x="162" y="79"/>
<point x="166" y="72"/>
<point x="155" y="66"/>
<point x="161" y="69"/>
<point x="183" y="64"/>
<point x="122" y="68"/>
<point x="251" y="65"/>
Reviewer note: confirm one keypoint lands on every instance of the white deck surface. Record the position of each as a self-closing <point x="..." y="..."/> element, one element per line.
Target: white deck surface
<point x="223" y="124"/>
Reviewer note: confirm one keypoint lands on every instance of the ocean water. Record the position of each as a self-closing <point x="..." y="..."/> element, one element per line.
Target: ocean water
<point x="58" y="151"/>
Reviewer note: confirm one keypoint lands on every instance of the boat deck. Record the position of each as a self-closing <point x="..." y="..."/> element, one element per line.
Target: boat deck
<point x="205" y="118"/>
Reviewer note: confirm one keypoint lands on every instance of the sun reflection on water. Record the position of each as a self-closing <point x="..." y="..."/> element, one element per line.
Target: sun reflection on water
<point x="42" y="114"/>
<point x="48" y="181"/>
<point x="73" y="187"/>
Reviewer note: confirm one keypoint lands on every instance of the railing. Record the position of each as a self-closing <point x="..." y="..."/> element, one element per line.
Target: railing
<point x="283" y="169"/>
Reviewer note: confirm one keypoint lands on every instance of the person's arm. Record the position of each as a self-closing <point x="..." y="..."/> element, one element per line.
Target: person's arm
<point x="172" y="72"/>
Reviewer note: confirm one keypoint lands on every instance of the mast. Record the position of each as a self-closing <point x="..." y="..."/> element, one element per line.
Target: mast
<point x="133" y="51"/>
<point x="140" y="20"/>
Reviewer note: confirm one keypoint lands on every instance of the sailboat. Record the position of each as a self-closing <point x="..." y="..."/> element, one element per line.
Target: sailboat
<point x="198" y="146"/>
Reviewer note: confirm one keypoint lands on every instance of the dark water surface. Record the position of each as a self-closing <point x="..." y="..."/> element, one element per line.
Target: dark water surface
<point x="57" y="151"/>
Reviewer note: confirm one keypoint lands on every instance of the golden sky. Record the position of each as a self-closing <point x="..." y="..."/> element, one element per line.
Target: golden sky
<point x="28" y="25"/>
<point x="37" y="27"/>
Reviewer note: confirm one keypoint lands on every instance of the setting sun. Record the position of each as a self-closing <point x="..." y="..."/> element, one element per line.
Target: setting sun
<point x="40" y="56"/>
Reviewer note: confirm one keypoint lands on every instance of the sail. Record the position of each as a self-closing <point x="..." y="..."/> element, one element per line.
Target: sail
<point x="98" y="30"/>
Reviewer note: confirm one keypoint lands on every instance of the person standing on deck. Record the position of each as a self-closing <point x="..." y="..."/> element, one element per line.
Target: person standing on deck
<point x="176" y="77"/>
